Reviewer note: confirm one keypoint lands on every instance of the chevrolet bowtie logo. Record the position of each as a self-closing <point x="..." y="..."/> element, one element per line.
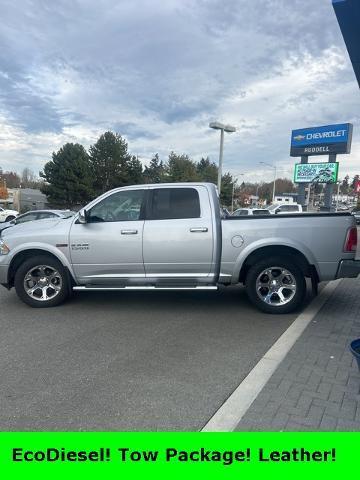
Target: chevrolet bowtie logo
<point x="299" y="137"/>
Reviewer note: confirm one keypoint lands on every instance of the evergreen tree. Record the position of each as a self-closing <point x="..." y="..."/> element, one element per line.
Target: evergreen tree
<point x="207" y="171"/>
<point x="134" y="171"/>
<point x="109" y="159"/>
<point x="181" y="168"/>
<point x="68" y="177"/>
<point x="226" y="189"/>
<point x="156" y="171"/>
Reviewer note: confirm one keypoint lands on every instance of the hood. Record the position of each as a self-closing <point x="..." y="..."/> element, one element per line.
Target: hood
<point x="5" y="225"/>
<point x="37" y="226"/>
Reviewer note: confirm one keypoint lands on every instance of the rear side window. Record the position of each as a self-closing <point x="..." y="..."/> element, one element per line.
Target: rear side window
<point x="261" y="212"/>
<point x="293" y="208"/>
<point x="172" y="203"/>
<point x="41" y="216"/>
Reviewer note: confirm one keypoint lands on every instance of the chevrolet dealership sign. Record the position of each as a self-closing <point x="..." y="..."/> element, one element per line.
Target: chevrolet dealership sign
<point x="326" y="140"/>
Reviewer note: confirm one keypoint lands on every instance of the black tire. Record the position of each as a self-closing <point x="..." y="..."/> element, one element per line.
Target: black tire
<point x="58" y="288"/>
<point x="295" y="296"/>
<point x="9" y="218"/>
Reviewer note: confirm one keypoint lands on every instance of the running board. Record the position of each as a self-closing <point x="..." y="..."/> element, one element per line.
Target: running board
<point x="105" y="288"/>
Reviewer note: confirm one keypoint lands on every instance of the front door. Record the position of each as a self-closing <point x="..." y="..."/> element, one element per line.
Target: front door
<point x="178" y="233"/>
<point x="108" y="248"/>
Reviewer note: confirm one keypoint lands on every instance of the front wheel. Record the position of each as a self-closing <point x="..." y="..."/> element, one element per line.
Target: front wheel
<point x="9" y="218"/>
<point x="276" y="285"/>
<point x="42" y="282"/>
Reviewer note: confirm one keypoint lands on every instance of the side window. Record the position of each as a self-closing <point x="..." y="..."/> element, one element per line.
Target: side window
<point x="172" y="203"/>
<point x="43" y="215"/>
<point x="119" y="207"/>
<point x="261" y="212"/>
<point x="27" y="218"/>
<point x="293" y="208"/>
<point x="241" y="213"/>
<point x="284" y="208"/>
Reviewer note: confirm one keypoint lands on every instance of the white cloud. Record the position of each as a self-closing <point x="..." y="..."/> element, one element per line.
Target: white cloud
<point x="158" y="72"/>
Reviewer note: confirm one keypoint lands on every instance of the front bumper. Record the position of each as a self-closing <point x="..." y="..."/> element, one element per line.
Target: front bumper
<point x="348" y="269"/>
<point x="4" y="274"/>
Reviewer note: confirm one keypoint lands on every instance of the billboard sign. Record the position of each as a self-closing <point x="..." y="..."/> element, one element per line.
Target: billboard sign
<point x="316" y="172"/>
<point x="325" y="140"/>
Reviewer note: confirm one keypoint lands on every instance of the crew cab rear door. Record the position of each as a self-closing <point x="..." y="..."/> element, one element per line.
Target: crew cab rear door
<point x="178" y="233"/>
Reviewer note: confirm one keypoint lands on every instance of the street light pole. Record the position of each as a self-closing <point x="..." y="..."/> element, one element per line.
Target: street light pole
<point x="223" y="128"/>
<point x="338" y="193"/>
<point x="274" y="189"/>
<point x="221" y="156"/>
<point x="274" y="186"/>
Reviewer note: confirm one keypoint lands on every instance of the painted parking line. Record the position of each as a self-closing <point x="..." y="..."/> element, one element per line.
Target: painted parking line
<point x="231" y="412"/>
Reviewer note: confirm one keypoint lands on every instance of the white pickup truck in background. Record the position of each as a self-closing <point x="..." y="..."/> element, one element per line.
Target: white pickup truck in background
<point x="284" y="208"/>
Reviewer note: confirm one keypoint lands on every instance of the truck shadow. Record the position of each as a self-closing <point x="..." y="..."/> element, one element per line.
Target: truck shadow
<point x="226" y="301"/>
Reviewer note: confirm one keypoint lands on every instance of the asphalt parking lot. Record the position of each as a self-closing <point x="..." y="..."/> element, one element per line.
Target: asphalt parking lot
<point x="128" y="361"/>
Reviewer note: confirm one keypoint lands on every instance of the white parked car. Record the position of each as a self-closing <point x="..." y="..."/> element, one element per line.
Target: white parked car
<point x="7" y="215"/>
<point x="33" y="215"/>
<point x="243" y="212"/>
<point x="285" y="208"/>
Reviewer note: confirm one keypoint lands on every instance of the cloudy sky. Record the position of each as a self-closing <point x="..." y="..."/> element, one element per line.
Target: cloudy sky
<point x="158" y="71"/>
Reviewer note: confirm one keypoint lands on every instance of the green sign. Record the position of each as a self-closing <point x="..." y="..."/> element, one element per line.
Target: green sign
<point x="179" y="456"/>
<point x="316" y="172"/>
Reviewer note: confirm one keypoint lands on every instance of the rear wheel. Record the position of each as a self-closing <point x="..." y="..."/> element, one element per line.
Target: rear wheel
<point x="9" y="218"/>
<point x="41" y="282"/>
<point x="276" y="285"/>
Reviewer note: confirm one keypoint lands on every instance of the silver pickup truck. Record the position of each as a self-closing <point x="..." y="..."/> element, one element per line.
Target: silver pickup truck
<point x="172" y="236"/>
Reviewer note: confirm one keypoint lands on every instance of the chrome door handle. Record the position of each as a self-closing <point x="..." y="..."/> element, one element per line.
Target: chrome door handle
<point x="129" y="232"/>
<point x="198" y="229"/>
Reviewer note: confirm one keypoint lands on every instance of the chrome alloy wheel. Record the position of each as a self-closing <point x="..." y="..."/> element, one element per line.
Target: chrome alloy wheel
<point x="43" y="283"/>
<point x="276" y="286"/>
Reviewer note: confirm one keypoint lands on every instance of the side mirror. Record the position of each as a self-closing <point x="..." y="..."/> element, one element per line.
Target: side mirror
<point x="13" y="222"/>
<point x="83" y="217"/>
<point x="278" y="210"/>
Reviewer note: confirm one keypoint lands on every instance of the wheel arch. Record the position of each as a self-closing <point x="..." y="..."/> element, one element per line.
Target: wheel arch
<point x="23" y="255"/>
<point x="291" y="253"/>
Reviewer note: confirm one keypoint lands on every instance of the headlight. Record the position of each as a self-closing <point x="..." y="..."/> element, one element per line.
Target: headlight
<point x="4" y="249"/>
